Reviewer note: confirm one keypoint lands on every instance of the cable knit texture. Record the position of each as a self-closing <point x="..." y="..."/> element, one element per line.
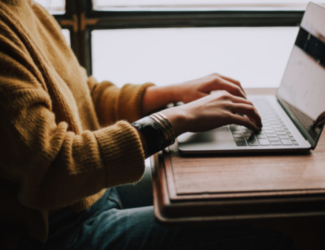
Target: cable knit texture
<point x="56" y="148"/>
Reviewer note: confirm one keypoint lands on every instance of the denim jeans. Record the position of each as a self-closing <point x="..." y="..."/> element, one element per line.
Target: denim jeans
<point x="106" y="225"/>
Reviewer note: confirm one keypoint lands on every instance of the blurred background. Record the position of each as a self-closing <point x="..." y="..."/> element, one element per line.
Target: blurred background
<point x="170" y="41"/>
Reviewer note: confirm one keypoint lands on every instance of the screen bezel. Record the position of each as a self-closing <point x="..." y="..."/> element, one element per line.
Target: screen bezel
<point x="302" y="130"/>
<point x="313" y="142"/>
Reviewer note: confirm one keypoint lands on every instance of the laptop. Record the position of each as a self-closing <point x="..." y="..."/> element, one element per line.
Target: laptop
<point x="293" y="119"/>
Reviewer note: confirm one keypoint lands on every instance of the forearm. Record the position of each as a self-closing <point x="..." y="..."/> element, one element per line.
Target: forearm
<point x="158" y="97"/>
<point x="78" y="166"/>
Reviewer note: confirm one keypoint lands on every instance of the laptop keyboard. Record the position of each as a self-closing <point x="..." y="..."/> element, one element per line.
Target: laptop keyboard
<point x="273" y="133"/>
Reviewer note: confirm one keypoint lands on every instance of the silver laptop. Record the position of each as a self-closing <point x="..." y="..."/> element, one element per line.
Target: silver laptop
<point x="293" y="119"/>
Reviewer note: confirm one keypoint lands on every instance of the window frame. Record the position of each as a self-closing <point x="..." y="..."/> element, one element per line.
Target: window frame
<point x="68" y="20"/>
<point x="82" y="14"/>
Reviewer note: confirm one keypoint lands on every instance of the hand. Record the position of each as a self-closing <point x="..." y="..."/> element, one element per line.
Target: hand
<point x="195" y="89"/>
<point x="157" y="97"/>
<point x="213" y="111"/>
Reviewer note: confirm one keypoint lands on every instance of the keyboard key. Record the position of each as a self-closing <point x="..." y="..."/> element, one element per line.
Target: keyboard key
<point x="252" y="142"/>
<point x="234" y="127"/>
<point x="283" y="137"/>
<point x="281" y="133"/>
<point x="273" y="139"/>
<point x="286" y="142"/>
<point x="259" y="132"/>
<point x="264" y="142"/>
<point x="276" y="143"/>
<point x="239" y="139"/>
<point x="261" y="136"/>
<point x="295" y="143"/>
<point x="237" y="135"/>
<point x="241" y="143"/>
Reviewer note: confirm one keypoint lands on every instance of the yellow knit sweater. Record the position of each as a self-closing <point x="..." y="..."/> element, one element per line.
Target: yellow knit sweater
<point x="56" y="148"/>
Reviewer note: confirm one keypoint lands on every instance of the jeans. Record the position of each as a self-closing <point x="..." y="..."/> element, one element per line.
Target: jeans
<point x="106" y="225"/>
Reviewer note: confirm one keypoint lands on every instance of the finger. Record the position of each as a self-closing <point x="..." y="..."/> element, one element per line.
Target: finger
<point x="236" y="99"/>
<point x="232" y="80"/>
<point x="248" y="110"/>
<point x="244" y="121"/>
<point x="230" y="87"/>
<point x="202" y="94"/>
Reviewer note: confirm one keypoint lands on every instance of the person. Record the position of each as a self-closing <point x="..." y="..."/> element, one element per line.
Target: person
<point x="66" y="141"/>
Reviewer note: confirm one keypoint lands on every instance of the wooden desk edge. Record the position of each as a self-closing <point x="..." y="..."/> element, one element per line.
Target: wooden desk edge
<point x="163" y="202"/>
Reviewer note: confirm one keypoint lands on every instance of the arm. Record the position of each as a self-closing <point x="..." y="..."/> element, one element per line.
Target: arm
<point x="113" y="104"/>
<point x="203" y="111"/>
<point x="158" y="97"/>
<point x="50" y="165"/>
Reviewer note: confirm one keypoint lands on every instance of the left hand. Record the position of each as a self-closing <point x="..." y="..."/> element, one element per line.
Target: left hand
<point x="195" y="89"/>
<point x="157" y="97"/>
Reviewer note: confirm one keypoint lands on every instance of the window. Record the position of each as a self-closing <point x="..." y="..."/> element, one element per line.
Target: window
<point x="169" y="41"/>
<point x="56" y="7"/>
<point x="66" y="34"/>
<point x="254" y="55"/>
<point x="106" y="5"/>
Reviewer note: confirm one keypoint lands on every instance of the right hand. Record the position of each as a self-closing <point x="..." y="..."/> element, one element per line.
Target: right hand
<point x="213" y="111"/>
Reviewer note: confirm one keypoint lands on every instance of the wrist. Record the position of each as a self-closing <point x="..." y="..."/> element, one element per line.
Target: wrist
<point x="155" y="132"/>
<point x="175" y="93"/>
<point x="157" y="97"/>
<point x="178" y="118"/>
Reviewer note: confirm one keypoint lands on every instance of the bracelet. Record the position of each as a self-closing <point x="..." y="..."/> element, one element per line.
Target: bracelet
<point x="157" y="132"/>
<point x="166" y="126"/>
<point x="167" y="129"/>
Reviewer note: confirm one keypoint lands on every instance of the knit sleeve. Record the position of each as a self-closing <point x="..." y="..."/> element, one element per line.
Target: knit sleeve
<point x="113" y="104"/>
<point x="50" y="165"/>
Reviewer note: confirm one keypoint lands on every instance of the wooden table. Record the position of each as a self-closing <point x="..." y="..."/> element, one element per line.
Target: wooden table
<point x="264" y="189"/>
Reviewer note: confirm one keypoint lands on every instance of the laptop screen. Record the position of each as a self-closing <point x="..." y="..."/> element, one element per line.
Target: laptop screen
<point x="302" y="89"/>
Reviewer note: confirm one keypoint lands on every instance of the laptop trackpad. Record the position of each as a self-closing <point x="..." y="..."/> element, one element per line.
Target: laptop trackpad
<point x="214" y="139"/>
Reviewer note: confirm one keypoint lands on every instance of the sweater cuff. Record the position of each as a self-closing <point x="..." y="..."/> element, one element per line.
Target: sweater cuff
<point x="131" y="97"/>
<point x="122" y="153"/>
